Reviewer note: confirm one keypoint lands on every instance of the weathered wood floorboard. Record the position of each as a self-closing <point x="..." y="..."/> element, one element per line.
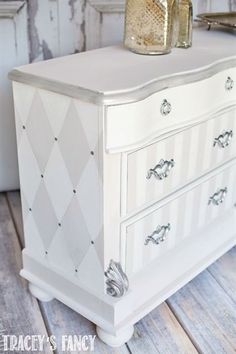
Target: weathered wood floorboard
<point x="224" y="272"/>
<point x="20" y="313"/>
<point x="64" y="321"/>
<point x="160" y="332"/>
<point x="207" y="314"/>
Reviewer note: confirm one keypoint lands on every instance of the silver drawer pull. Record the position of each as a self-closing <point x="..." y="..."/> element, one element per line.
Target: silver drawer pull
<point x="223" y="139"/>
<point x="229" y="84"/>
<point x="159" y="235"/>
<point x="165" y="108"/>
<point x="161" y="170"/>
<point x="218" y="197"/>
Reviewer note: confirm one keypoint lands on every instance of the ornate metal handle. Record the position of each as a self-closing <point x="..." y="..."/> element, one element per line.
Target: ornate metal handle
<point x="229" y="84"/>
<point x="223" y="139"/>
<point x="159" y="235"/>
<point x="165" y="108"/>
<point x="161" y="170"/>
<point x="218" y="197"/>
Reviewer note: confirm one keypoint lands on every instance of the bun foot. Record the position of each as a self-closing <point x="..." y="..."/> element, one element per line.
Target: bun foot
<point x="39" y="293"/>
<point x="115" y="340"/>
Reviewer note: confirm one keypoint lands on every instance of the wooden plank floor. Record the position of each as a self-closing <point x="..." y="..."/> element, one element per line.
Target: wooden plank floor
<point x="200" y="318"/>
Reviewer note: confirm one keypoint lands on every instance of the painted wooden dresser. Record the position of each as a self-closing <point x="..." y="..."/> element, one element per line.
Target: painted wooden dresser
<point x="128" y="175"/>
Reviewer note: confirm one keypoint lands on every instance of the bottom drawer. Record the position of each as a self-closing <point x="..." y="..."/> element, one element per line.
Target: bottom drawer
<point x="150" y="236"/>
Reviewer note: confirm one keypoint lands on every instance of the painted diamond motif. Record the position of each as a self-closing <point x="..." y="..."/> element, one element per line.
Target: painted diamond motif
<point x="57" y="111"/>
<point x="29" y="170"/>
<point x="59" y="251"/>
<point x="89" y="197"/>
<point x="33" y="240"/>
<point x="90" y="268"/>
<point x="39" y="132"/>
<point x="61" y="186"/>
<point x="25" y="205"/>
<point x="23" y="98"/>
<point x="73" y="145"/>
<point x="99" y="247"/>
<point x="44" y="216"/>
<point x="76" y="232"/>
<point x="58" y="183"/>
<point x="86" y="113"/>
<point x="19" y="125"/>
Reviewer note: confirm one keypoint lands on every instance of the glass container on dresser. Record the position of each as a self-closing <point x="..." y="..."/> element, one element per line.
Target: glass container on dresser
<point x="150" y="25"/>
<point x="185" y="24"/>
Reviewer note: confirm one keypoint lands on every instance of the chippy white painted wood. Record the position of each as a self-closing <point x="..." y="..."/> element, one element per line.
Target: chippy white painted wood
<point x="72" y="185"/>
<point x="13" y="51"/>
<point x="56" y="27"/>
<point x="9" y="9"/>
<point x="104" y="22"/>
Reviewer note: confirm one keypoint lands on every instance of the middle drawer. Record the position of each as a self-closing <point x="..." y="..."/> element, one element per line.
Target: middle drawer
<point x="159" y="169"/>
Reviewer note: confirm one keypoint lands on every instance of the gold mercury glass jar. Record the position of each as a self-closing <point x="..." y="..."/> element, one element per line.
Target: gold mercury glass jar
<point x="185" y="24"/>
<point x="150" y="25"/>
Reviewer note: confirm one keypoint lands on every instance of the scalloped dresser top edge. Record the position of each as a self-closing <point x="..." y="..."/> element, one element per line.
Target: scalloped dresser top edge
<point x="112" y="77"/>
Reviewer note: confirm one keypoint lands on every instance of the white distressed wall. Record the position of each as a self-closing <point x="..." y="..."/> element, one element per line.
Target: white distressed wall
<point x="59" y="27"/>
<point x="13" y="51"/>
<point x="32" y="30"/>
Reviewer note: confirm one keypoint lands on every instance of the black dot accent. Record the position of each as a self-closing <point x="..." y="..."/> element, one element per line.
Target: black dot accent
<point x="74" y="191"/>
<point x="92" y="152"/>
<point x="76" y="270"/>
<point x="46" y="252"/>
<point x="55" y="139"/>
<point x="59" y="224"/>
<point x="41" y="176"/>
<point x="30" y="209"/>
<point x="92" y="242"/>
<point x="23" y="126"/>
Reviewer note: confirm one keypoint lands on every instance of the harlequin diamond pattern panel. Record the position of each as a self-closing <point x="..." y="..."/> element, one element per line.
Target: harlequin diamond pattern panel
<point x="60" y="182"/>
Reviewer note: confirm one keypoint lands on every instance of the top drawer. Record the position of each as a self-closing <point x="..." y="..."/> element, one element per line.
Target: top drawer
<point x="130" y="125"/>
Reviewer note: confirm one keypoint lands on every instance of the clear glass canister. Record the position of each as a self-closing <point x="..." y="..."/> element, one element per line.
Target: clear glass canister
<point x="150" y="25"/>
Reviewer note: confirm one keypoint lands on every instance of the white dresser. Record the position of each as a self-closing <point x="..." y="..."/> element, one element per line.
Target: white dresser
<point x="128" y="175"/>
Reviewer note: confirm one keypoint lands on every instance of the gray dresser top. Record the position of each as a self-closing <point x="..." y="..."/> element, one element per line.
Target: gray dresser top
<point x="114" y="75"/>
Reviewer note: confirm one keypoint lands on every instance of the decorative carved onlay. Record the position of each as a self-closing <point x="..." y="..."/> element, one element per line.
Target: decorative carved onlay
<point x="9" y="9"/>
<point x="117" y="281"/>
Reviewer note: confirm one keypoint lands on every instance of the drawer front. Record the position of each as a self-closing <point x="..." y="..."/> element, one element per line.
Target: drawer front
<point x="129" y="125"/>
<point x="161" y="168"/>
<point x="151" y="236"/>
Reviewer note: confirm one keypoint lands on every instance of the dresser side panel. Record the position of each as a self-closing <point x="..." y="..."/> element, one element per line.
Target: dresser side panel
<point x="61" y="185"/>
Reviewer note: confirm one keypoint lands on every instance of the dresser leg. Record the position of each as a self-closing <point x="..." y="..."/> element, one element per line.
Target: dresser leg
<point x="39" y="293"/>
<point x="115" y="340"/>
